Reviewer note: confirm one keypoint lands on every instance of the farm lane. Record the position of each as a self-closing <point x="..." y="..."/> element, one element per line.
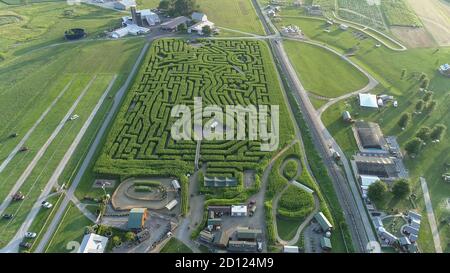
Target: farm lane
<point x="430" y="215"/>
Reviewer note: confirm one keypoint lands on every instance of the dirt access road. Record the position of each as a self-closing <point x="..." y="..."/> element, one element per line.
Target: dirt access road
<point x="435" y="15"/>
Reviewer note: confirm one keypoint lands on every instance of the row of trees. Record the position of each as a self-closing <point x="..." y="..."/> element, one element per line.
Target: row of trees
<point x="424" y="134"/>
<point x="379" y="190"/>
<point x="178" y="7"/>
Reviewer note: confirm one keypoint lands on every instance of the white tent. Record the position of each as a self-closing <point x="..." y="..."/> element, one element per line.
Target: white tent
<point x="368" y="100"/>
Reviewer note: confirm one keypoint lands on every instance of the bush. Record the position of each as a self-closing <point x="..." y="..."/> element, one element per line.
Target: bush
<point x="414" y="146"/>
<point x="130" y="236"/>
<point x="404" y="120"/>
<point x="295" y="199"/>
<point x="290" y="169"/>
<point x="116" y="241"/>
<point x="438" y="132"/>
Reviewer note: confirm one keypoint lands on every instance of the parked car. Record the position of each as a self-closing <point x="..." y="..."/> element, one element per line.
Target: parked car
<point x="18" y="196"/>
<point x="30" y="235"/>
<point x="260" y="248"/>
<point x="26" y="245"/>
<point x="46" y="204"/>
<point x="74" y="117"/>
<point x="7" y="216"/>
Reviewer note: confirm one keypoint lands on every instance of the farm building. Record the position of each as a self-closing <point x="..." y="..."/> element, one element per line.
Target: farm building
<point x="240" y="210"/>
<point x="413" y="237"/>
<point x="370" y="135"/>
<point x="220" y="182"/>
<point x="221" y="239"/>
<point x="325" y="243"/>
<point x="137" y="218"/>
<point x="150" y="17"/>
<point x="242" y="246"/>
<point x="129" y="29"/>
<point x="173" y="24"/>
<point x="414" y="215"/>
<point x="411" y="230"/>
<point x="323" y="221"/>
<point x="366" y="181"/>
<point x="214" y="222"/>
<point x="377" y="222"/>
<point x="314" y="10"/>
<point x="445" y="70"/>
<point x="93" y="243"/>
<point x="368" y="100"/>
<point x="198" y="27"/>
<point x="383" y="167"/>
<point x="171" y="204"/>
<point x="176" y="184"/>
<point x="386" y="236"/>
<point x="206" y="236"/>
<point x="220" y="210"/>
<point x="290" y="249"/>
<point x="343" y="26"/>
<point x="124" y="4"/>
<point x="404" y="241"/>
<point x="199" y="17"/>
<point x="346" y="116"/>
<point x="245" y="233"/>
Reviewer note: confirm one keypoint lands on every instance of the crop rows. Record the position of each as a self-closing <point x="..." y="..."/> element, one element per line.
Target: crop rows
<point x="360" y="11"/>
<point x="222" y="72"/>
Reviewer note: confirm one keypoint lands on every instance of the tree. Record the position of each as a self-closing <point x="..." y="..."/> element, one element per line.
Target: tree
<point x="401" y="188"/>
<point x="428" y="95"/>
<point x="424" y="84"/>
<point x="420" y="105"/>
<point x="413" y="146"/>
<point x="165" y="4"/>
<point x="377" y="191"/>
<point x="130" y="236"/>
<point x="183" y="7"/>
<point x="206" y="30"/>
<point x="422" y="77"/>
<point x="182" y="28"/>
<point x="431" y="106"/>
<point x="438" y="132"/>
<point x="404" y="120"/>
<point x="116" y="241"/>
<point x="424" y="133"/>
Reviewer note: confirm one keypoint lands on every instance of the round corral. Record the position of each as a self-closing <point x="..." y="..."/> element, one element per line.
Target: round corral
<point x="74" y="34"/>
<point x="151" y="193"/>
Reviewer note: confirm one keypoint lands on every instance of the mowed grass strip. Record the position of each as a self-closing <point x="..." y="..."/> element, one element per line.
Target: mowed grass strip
<point x="323" y="72"/>
<point x="235" y="14"/>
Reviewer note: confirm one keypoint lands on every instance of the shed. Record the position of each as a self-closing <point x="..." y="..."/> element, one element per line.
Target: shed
<point x="370" y="135"/>
<point x="414" y="215"/>
<point x="245" y="233"/>
<point x="239" y="210"/>
<point x="171" y="204"/>
<point x="173" y="24"/>
<point x="206" y="236"/>
<point x="404" y="241"/>
<point x="323" y="221"/>
<point x="137" y="218"/>
<point x="368" y="100"/>
<point x="290" y="249"/>
<point x="325" y="243"/>
<point x="221" y="239"/>
<point x="175" y="184"/>
<point x="411" y="230"/>
<point x="346" y="116"/>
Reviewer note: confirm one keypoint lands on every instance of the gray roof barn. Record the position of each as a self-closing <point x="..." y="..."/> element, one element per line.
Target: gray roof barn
<point x="370" y="135"/>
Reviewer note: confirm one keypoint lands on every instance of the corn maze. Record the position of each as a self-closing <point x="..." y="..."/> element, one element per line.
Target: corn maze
<point x="222" y="72"/>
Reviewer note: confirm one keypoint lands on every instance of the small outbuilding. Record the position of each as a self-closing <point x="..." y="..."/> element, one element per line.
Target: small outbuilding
<point x="239" y="210"/>
<point x="137" y="218"/>
<point x="93" y="243"/>
<point x="323" y="222"/>
<point x="325" y="243"/>
<point x="171" y="204"/>
<point x="199" y="17"/>
<point x="124" y="4"/>
<point x="346" y="116"/>
<point x="173" y="24"/>
<point x="368" y="100"/>
<point x="290" y="249"/>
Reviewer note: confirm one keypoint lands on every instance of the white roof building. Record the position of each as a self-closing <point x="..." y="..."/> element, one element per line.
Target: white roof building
<point x="124" y="4"/>
<point x="290" y="249"/>
<point x="129" y="29"/>
<point x="367" y="180"/>
<point x="198" y="27"/>
<point x="199" y="17"/>
<point x="93" y="243"/>
<point x="175" y="184"/>
<point x="171" y="204"/>
<point x="149" y="16"/>
<point x="368" y="100"/>
<point x="240" y="210"/>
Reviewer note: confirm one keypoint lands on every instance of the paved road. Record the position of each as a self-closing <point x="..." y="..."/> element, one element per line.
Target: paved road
<point x="430" y="215"/>
<point x="31" y="130"/>
<point x="13" y="245"/>
<point x="23" y="177"/>
<point x="346" y="190"/>
<point x="93" y="147"/>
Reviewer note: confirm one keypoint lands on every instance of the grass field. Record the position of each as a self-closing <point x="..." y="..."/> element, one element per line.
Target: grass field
<point x="43" y="24"/>
<point x="234" y="14"/>
<point x="361" y="12"/>
<point x="69" y="232"/>
<point x="287" y="227"/>
<point x="398" y="13"/>
<point x="323" y="72"/>
<point x="175" y="246"/>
